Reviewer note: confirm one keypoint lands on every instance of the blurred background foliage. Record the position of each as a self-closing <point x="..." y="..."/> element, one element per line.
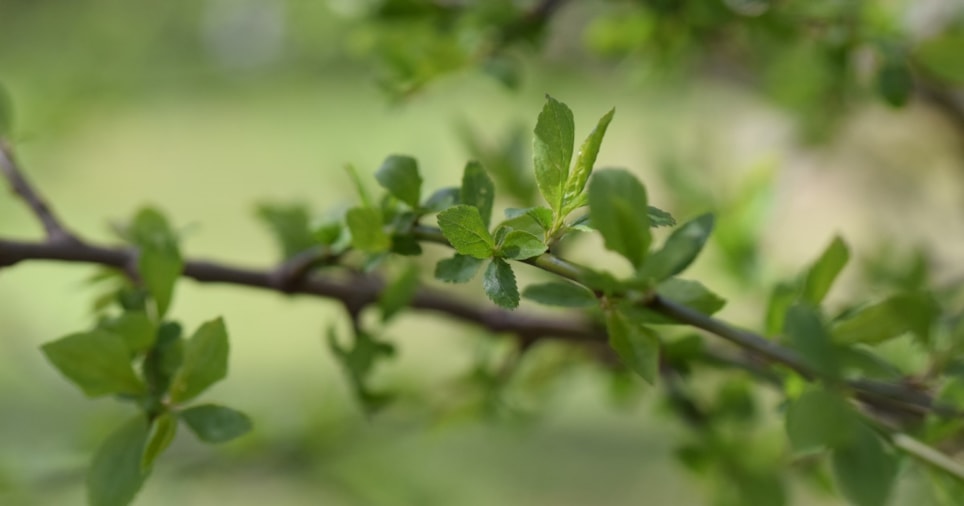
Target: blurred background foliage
<point x="792" y="119"/>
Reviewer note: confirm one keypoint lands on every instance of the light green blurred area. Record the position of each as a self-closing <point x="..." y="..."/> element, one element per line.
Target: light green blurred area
<point x="102" y="132"/>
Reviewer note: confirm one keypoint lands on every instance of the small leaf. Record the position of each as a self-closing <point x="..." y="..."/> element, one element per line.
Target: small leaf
<point x="159" y="262"/>
<point x="865" y="471"/>
<point x="478" y="190"/>
<point x="552" y="150"/>
<point x="636" y="345"/>
<point x="367" y="234"/>
<point x="162" y="433"/>
<point x="824" y="271"/>
<point x="617" y="203"/>
<point x="205" y="361"/>
<point x="358" y="362"/>
<point x="894" y="81"/>
<point x="442" y="199"/>
<point x="499" y="284"/>
<point x="691" y="294"/>
<point x="679" y="251"/>
<point x="115" y="475"/>
<point x="458" y="269"/>
<point x="397" y="295"/>
<point x="291" y="226"/>
<point x="585" y="160"/>
<point x="216" y="424"/>
<point x="560" y="293"/>
<point x="806" y="332"/>
<point x="660" y="218"/>
<point x="135" y="327"/>
<point x="463" y="227"/>
<point x="165" y="358"/>
<point x="818" y="419"/>
<point x="98" y="362"/>
<point x="520" y="245"/>
<point x="781" y="298"/>
<point x="906" y="312"/>
<point x="399" y="175"/>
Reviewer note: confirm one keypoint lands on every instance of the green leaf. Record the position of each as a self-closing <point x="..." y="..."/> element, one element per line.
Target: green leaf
<point x="824" y="271"/>
<point x="462" y="225"/>
<point x="691" y="294"/>
<point x="781" y="298"/>
<point x="442" y="199"/>
<point x="552" y="150"/>
<point x="163" y="430"/>
<point x="327" y="233"/>
<point x="216" y="424"/>
<point x="478" y="190"/>
<point x="166" y="358"/>
<point x="135" y="327"/>
<point x="397" y="295"/>
<point x="864" y="470"/>
<point x="499" y="285"/>
<point x="617" y="203"/>
<point x="367" y="234"/>
<point x="906" y="312"/>
<point x="819" y="419"/>
<point x="205" y="361"/>
<point x="399" y="175"/>
<point x="805" y="330"/>
<point x="291" y="226"/>
<point x="894" y="81"/>
<point x="520" y="245"/>
<point x="359" y="187"/>
<point x="576" y="183"/>
<point x="636" y="345"/>
<point x="358" y="362"/>
<point x="115" y="475"/>
<point x="679" y="251"/>
<point x="660" y="218"/>
<point x="458" y="269"/>
<point x="159" y="261"/>
<point x="560" y="293"/>
<point x="98" y="362"/>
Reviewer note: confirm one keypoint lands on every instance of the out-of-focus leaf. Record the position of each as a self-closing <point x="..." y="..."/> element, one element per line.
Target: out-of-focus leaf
<point x="679" y="251"/>
<point x="216" y="424"/>
<point x="205" y="361"/>
<point x="806" y="331"/>
<point x="159" y="261"/>
<point x="98" y="362"/>
<point x="399" y="175"/>
<point x="291" y="226"/>
<point x="135" y="327"/>
<point x="818" y="419"/>
<point x="458" y="269"/>
<point x="478" y="190"/>
<point x="560" y="293"/>
<point x="905" y="312"/>
<point x="163" y="430"/>
<point x="865" y="471"/>
<point x="115" y="475"/>
<point x="398" y="293"/>
<point x="782" y="297"/>
<point x="636" y="344"/>
<point x="367" y="234"/>
<point x="824" y="271"/>
<point x="660" y="218"/>
<point x="617" y="203"/>
<point x="442" y="199"/>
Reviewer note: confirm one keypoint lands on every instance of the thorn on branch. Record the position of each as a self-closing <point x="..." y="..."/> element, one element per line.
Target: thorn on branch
<point x="56" y="232"/>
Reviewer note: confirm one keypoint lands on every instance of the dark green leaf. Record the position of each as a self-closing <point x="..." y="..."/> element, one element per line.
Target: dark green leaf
<point x="560" y="293"/>
<point x="819" y="419"/>
<point x="636" y="345"/>
<point x="617" y="203"/>
<point x="478" y="190"/>
<point x="679" y="251"/>
<point x="601" y="281"/>
<point x="498" y="282"/>
<point x="291" y="226"/>
<point x="552" y="150"/>
<point x="691" y="294"/>
<point x="865" y="471"/>
<point x="573" y="191"/>
<point x="216" y="424"/>
<point x="163" y="430"/>
<point x="166" y="358"/>
<point x="442" y="199"/>
<point x="906" y="312"/>
<point x="463" y="227"/>
<point x="115" y="475"/>
<point x="399" y="175"/>
<point x="159" y="262"/>
<point x="205" y="361"/>
<point x="397" y="294"/>
<point x="98" y="362"/>
<point x="894" y="81"/>
<point x="805" y="330"/>
<point x="660" y="218"/>
<point x="458" y="269"/>
<point x="520" y="245"/>
<point x="367" y="234"/>
<point x="824" y="271"/>
<point x="781" y="298"/>
<point x="137" y="330"/>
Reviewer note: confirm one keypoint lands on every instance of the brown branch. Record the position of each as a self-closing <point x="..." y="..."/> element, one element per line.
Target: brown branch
<point x="56" y="232"/>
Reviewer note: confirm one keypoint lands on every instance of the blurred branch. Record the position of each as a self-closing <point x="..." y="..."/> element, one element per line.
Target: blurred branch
<point x="56" y="232"/>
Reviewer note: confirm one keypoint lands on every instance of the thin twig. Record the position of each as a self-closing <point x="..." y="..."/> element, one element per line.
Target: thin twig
<point x="56" y="232"/>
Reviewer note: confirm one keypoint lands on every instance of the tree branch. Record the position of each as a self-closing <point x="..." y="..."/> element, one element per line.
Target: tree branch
<point x="56" y="232"/>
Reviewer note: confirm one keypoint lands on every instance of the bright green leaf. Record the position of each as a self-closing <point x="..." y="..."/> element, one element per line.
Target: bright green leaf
<point x="818" y="419"/>
<point x="399" y="175"/>
<point x="679" y="251"/>
<point x="636" y="345"/>
<point x="458" y="269"/>
<point x="205" y="361"/>
<point x="216" y="424"/>
<point x="560" y="293"/>
<point x="115" y="475"/>
<point x="585" y="160"/>
<point x="520" y="245"/>
<point x="805" y="330"/>
<point x="617" y="203"/>
<point x="864" y="470"/>
<point x="499" y="285"/>
<point x="163" y="430"/>
<point x="367" y="234"/>
<point x="478" y="190"/>
<point x="398" y="293"/>
<point x="98" y="362"/>
<point x="135" y="327"/>
<point x="824" y="271"/>
<point x="463" y="227"/>
<point x="552" y="150"/>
